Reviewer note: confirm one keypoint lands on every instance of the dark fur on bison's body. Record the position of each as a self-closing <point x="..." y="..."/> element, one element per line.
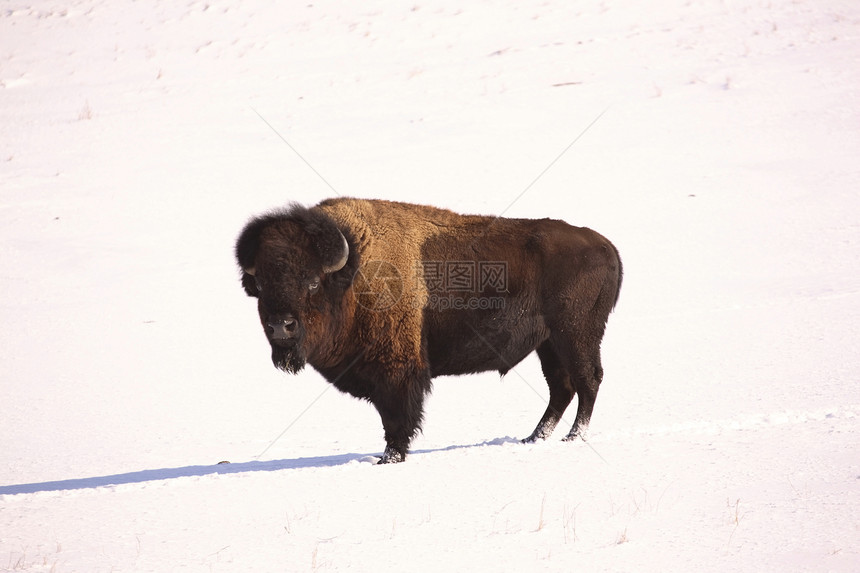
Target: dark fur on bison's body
<point x="380" y="297"/>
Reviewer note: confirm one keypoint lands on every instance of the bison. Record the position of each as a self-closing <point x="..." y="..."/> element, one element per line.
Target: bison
<point x="381" y="297"/>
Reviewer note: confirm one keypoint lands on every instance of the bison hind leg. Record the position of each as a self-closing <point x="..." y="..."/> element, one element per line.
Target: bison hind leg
<point x="587" y="374"/>
<point x="560" y="392"/>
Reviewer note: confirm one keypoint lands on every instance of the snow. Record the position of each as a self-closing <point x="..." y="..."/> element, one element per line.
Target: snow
<point x="715" y="142"/>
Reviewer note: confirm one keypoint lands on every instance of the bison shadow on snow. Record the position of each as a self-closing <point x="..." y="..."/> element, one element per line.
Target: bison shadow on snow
<point x="143" y="476"/>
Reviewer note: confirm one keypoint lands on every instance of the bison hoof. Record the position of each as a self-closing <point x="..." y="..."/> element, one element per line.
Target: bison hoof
<point x="575" y="434"/>
<point x="392" y="456"/>
<point x="534" y="438"/>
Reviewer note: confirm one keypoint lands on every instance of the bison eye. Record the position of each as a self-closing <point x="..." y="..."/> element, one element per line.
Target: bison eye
<point x="314" y="285"/>
<point x="259" y="286"/>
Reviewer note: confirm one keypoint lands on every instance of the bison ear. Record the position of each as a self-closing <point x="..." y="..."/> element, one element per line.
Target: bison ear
<point x="247" y="246"/>
<point x="249" y="283"/>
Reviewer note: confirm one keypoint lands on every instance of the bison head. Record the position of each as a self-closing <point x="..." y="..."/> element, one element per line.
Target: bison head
<point x="298" y="264"/>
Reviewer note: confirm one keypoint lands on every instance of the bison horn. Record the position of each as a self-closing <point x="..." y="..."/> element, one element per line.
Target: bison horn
<point x="250" y="271"/>
<point x="339" y="264"/>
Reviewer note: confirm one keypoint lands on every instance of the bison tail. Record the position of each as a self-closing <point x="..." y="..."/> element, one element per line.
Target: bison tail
<point x="620" y="278"/>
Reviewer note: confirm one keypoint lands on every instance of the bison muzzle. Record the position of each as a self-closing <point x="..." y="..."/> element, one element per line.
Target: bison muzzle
<point x="380" y="297"/>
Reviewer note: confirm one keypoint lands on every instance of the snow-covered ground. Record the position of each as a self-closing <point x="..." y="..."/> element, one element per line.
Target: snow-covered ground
<point x="716" y="142"/>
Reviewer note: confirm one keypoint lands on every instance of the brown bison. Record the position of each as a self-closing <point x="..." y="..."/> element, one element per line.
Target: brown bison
<point x="381" y="297"/>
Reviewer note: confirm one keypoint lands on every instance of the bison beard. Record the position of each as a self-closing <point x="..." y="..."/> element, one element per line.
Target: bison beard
<point x="289" y="358"/>
<point x="323" y="299"/>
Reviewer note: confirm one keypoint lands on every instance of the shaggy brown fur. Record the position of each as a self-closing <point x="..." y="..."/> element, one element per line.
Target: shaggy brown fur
<point x="416" y="299"/>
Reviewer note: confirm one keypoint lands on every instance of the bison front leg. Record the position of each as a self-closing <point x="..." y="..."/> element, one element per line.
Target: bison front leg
<point x="402" y="411"/>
